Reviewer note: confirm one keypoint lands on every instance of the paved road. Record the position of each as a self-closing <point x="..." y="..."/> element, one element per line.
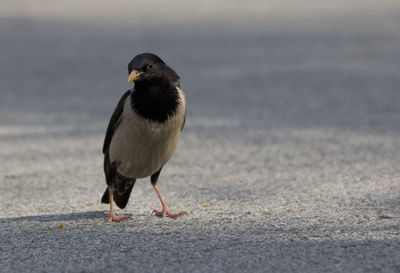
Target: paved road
<point x="289" y="160"/>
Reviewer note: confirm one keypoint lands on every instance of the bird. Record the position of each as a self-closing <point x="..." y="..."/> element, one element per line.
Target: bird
<point x="143" y="132"/>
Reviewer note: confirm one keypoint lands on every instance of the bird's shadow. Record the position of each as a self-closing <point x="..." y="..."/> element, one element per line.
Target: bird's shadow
<point x="87" y="215"/>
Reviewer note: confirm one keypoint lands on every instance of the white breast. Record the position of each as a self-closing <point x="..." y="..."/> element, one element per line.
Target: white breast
<point x="141" y="147"/>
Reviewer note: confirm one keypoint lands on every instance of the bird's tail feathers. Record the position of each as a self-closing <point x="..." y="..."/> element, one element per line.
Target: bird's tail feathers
<point x="121" y="196"/>
<point x="106" y="197"/>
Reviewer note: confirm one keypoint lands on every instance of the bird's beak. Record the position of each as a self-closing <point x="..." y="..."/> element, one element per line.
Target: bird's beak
<point x="134" y="75"/>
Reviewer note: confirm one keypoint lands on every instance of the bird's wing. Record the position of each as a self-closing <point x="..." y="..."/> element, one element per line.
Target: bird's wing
<point x="114" y="121"/>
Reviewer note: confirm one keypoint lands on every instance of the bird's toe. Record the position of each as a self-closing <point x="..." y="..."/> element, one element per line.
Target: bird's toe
<point x="114" y="218"/>
<point x="165" y="213"/>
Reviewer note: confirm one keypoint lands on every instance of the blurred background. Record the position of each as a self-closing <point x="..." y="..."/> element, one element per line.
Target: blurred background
<point x="262" y="64"/>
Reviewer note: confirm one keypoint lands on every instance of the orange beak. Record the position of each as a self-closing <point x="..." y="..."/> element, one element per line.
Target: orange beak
<point x="133" y="76"/>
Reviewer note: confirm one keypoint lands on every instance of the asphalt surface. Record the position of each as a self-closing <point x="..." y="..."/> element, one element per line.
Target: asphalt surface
<point x="289" y="161"/>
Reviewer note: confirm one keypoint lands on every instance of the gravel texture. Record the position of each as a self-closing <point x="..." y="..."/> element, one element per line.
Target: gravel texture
<point x="289" y="161"/>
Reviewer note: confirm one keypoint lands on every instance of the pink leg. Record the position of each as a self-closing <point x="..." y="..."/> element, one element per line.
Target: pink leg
<point x="112" y="217"/>
<point x="165" y="211"/>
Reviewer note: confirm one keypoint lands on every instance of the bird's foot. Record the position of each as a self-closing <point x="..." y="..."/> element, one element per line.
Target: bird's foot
<point x="111" y="217"/>
<point x="167" y="213"/>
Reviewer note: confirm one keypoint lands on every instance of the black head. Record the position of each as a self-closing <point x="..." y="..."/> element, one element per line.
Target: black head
<point x="149" y="67"/>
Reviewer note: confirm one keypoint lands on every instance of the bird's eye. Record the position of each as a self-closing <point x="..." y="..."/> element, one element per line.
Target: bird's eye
<point x="146" y="67"/>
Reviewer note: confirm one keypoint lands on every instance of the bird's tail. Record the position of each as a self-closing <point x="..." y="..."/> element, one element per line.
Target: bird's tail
<point x="106" y="197"/>
<point x="121" y="195"/>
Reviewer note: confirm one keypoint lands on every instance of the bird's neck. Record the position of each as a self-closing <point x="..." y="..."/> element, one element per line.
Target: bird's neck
<point x="155" y="102"/>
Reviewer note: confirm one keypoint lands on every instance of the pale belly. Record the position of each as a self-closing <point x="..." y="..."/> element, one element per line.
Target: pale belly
<point x="141" y="148"/>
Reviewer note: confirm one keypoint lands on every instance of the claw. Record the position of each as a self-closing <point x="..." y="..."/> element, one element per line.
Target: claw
<point x="166" y="213"/>
<point x="115" y="218"/>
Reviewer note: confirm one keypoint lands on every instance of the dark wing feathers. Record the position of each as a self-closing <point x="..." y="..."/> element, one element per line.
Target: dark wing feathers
<point x="114" y="121"/>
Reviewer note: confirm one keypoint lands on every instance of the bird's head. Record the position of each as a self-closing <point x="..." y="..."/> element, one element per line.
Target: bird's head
<point x="149" y="67"/>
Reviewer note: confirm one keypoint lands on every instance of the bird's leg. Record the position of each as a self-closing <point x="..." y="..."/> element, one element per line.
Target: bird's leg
<point x="165" y="210"/>
<point x="112" y="217"/>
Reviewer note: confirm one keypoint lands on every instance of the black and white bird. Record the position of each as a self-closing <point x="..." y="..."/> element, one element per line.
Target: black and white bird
<point x="143" y="132"/>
